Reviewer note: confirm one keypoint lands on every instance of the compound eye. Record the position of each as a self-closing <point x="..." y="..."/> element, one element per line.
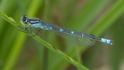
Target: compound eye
<point x="24" y="19"/>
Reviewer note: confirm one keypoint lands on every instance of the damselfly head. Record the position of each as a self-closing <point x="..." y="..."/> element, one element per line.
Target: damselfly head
<point x="24" y="19"/>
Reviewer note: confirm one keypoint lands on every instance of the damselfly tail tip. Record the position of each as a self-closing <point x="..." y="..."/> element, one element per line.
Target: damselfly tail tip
<point x="106" y="41"/>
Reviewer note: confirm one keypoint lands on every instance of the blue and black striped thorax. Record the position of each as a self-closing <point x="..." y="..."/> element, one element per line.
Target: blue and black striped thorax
<point x="36" y="23"/>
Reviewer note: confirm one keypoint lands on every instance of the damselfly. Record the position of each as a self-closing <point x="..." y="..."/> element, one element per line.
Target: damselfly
<point x="37" y="23"/>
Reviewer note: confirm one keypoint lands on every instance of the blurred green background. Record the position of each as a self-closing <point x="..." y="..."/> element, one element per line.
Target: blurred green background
<point x="19" y="51"/>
